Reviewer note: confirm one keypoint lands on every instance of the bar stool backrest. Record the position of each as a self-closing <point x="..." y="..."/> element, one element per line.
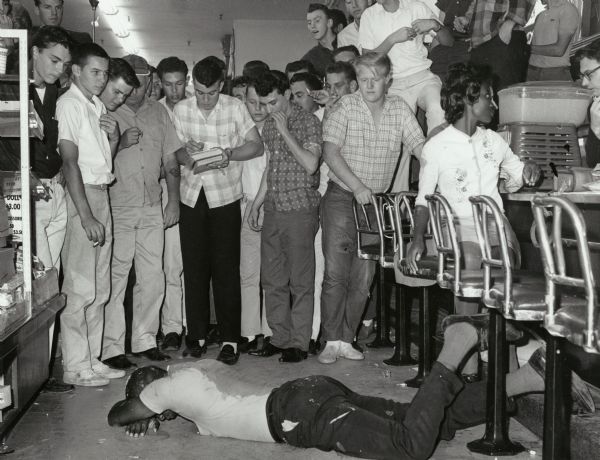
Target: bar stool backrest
<point x="386" y="227"/>
<point x="365" y="224"/>
<point x="553" y="258"/>
<point x="484" y="209"/>
<point x="446" y="242"/>
<point x="404" y="223"/>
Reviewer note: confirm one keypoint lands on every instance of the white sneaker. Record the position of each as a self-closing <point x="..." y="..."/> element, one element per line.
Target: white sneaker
<point x="330" y="352"/>
<point x="346" y="350"/>
<point x="85" y="378"/>
<point x="107" y="372"/>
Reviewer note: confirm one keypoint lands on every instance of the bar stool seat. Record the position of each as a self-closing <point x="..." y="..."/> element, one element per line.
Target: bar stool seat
<point x="570" y="321"/>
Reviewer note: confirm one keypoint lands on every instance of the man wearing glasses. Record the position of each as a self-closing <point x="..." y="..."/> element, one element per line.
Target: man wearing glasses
<point x="589" y="68"/>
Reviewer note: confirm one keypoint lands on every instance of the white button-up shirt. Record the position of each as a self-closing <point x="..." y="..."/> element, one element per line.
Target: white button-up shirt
<point x="459" y="166"/>
<point x="79" y="122"/>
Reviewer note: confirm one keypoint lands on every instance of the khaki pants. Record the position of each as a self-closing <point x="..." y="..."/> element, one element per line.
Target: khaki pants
<point x="139" y="235"/>
<point x="253" y="322"/>
<point x="173" y="308"/>
<point x="86" y="283"/>
<point x="420" y="90"/>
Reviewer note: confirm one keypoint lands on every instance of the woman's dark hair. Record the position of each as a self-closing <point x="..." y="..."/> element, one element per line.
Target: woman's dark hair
<point x="269" y="82"/>
<point x="463" y="84"/>
<point x="141" y="378"/>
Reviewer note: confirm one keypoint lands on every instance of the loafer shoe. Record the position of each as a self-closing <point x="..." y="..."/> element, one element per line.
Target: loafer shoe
<point x="347" y="351"/>
<point x="583" y="403"/>
<point x="268" y="350"/>
<point x="153" y="354"/>
<point x="104" y="371"/>
<point x="228" y="355"/>
<point x="330" y="353"/>
<point x="248" y="345"/>
<point x="85" y="378"/>
<point x="171" y="341"/>
<point x="194" y="349"/>
<point x="292" y="355"/>
<point x="119" y="362"/>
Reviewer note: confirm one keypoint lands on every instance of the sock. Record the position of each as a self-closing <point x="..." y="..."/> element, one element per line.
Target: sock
<point x="233" y="344"/>
<point x="367" y="322"/>
<point x="250" y="337"/>
<point x="459" y="339"/>
<point x="201" y="342"/>
<point x="524" y="380"/>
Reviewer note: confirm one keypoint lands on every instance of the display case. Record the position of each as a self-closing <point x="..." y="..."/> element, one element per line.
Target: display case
<point x="16" y="287"/>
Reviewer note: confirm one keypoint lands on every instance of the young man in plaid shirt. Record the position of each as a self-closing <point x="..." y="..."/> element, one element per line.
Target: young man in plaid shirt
<point x="362" y="138"/>
<point x="210" y="218"/>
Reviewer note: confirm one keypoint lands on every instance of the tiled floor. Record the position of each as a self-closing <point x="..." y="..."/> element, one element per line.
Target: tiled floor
<point x="73" y="425"/>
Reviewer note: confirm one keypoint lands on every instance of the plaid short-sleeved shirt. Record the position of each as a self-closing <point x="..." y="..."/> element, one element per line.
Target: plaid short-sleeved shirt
<point x="226" y="127"/>
<point x="289" y="186"/>
<point x="487" y="15"/>
<point x="371" y="153"/>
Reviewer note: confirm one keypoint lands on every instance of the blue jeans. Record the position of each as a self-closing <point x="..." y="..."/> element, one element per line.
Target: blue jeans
<point x="347" y="278"/>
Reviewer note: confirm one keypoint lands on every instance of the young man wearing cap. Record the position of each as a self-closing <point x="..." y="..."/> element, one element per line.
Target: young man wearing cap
<point x="87" y="140"/>
<point x="148" y="143"/>
<point x="210" y="205"/>
<point x="173" y="74"/>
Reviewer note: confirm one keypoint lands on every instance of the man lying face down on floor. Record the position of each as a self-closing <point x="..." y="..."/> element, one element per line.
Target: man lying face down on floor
<point x="319" y="411"/>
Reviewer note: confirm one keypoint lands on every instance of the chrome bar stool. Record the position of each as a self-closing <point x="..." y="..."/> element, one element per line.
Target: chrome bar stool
<point x="403" y="206"/>
<point x="376" y="247"/>
<point x="508" y="294"/>
<point x="572" y="314"/>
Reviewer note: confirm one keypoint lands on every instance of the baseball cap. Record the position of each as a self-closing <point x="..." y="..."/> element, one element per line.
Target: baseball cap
<point x="139" y="64"/>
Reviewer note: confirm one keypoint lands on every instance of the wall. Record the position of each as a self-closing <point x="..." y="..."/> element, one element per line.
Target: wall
<point x="275" y="42"/>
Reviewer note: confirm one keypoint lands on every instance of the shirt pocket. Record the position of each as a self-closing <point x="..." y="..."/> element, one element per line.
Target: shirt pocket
<point x="546" y="32"/>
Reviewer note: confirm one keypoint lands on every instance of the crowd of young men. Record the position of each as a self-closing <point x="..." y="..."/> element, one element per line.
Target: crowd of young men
<point x="266" y="234"/>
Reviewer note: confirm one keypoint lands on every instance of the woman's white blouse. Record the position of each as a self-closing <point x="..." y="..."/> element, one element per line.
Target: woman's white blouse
<point x="459" y="166"/>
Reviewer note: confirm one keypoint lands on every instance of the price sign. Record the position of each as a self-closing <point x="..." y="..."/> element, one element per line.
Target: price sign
<point x="11" y="189"/>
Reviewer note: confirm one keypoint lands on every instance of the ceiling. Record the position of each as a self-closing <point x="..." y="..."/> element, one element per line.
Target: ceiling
<point x="189" y="29"/>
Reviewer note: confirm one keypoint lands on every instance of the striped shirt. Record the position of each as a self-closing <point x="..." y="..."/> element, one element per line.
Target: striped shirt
<point x="371" y="153"/>
<point x="486" y="17"/>
<point x="225" y="127"/>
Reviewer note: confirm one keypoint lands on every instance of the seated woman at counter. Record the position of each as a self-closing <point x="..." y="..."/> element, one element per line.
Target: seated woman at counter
<point x="463" y="160"/>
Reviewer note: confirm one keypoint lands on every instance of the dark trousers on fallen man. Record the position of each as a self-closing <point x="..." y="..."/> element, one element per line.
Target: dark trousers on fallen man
<point x="321" y="412"/>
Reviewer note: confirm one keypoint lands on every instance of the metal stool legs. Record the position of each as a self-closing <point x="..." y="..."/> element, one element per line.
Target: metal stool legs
<point x="401" y="356"/>
<point x="425" y="342"/>
<point x="495" y="441"/>
<point x="557" y="399"/>
<point x="382" y="331"/>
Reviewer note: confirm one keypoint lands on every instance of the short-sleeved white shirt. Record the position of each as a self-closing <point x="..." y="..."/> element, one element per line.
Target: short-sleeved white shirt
<point x="349" y="36"/>
<point x="376" y="24"/>
<point x="252" y="173"/>
<point x="459" y="166"/>
<point x="79" y="122"/>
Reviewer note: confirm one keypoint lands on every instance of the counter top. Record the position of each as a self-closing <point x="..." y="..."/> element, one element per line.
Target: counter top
<point x="575" y="197"/>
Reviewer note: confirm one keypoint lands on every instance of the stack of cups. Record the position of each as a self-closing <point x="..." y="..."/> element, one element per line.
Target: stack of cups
<point x="3" y="56"/>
